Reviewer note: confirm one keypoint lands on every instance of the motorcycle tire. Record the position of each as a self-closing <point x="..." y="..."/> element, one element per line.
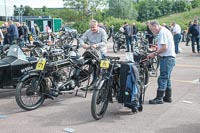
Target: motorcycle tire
<point x="88" y="74"/>
<point x="115" y="47"/>
<point x="99" y="98"/>
<point x="144" y="80"/>
<point x="29" y="95"/>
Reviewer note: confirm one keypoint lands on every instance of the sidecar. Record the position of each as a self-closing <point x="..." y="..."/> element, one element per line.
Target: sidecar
<point x="14" y="65"/>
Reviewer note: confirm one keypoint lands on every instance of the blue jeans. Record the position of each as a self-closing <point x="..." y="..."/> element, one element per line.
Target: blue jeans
<point x="166" y="67"/>
<point x="195" y="39"/>
<point x="129" y="43"/>
<point x="177" y="39"/>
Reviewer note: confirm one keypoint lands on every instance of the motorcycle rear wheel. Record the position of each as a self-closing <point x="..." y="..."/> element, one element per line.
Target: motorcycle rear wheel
<point x="29" y="95"/>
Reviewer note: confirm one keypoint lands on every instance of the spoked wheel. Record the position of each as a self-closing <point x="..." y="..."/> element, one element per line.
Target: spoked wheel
<point x="88" y="75"/>
<point x="30" y="95"/>
<point x="115" y="47"/>
<point x="99" y="102"/>
<point x="155" y="63"/>
<point x="144" y="80"/>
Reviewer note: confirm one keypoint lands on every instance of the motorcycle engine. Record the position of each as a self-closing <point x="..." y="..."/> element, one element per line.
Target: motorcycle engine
<point x="60" y="75"/>
<point x="62" y="81"/>
<point x="56" y="54"/>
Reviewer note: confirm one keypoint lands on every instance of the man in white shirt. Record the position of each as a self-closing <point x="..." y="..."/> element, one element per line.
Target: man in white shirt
<point x="176" y="31"/>
<point x="166" y="51"/>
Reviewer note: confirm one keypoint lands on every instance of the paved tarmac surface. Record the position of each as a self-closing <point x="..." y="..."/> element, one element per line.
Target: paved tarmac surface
<point x="69" y="111"/>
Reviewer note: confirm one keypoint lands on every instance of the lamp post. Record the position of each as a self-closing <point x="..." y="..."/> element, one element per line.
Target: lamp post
<point x="5" y="10"/>
<point x="20" y="11"/>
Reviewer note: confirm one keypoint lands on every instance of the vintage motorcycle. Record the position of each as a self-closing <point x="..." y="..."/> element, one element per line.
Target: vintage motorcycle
<point x="119" y="40"/>
<point x="50" y="78"/>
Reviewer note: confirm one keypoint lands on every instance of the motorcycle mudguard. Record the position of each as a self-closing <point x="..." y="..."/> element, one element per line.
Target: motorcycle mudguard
<point x="28" y="75"/>
<point x="99" y="83"/>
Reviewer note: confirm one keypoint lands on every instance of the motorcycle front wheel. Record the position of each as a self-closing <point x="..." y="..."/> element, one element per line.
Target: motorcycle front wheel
<point x="144" y="79"/>
<point x="99" y="103"/>
<point x="30" y="94"/>
<point x="116" y="47"/>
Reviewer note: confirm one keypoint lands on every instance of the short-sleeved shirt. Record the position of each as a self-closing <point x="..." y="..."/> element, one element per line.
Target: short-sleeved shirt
<point x="177" y="29"/>
<point x="166" y="37"/>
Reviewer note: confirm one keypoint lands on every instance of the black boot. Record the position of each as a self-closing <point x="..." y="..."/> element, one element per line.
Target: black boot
<point x="158" y="99"/>
<point x="167" y="97"/>
<point x="132" y="48"/>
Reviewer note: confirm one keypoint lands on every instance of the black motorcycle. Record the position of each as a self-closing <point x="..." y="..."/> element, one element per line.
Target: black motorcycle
<point x="51" y="78"/>
<point x="119" y="40"/>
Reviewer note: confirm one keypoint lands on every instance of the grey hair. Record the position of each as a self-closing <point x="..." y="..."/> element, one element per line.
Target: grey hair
<point x="93" y="22"/>
<point x="154" y="23"/>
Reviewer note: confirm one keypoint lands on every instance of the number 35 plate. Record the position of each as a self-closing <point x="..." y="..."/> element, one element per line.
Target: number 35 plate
<point x="104" y="64"/>
<point x="40" y="64"/>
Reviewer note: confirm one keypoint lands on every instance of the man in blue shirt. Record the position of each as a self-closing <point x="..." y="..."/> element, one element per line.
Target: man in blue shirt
<point x="12" y="32"/>
<point x="195" y="31"/>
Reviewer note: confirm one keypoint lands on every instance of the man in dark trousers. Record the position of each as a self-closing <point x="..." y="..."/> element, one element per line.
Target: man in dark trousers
<point x="26" y="31"/>
<point x="12" y="32"/>
<point x="195" y="31"/>
<point x="111" y="32"/>
<point x="188" y="38"/>
<point x="128" y="31"/>
<point x="21" y="34"/>
<point x="135" y="31"/>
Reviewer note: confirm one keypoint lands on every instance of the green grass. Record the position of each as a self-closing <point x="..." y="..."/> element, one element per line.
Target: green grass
<point x="1" y="22"/>
<point x="181" y="18"/>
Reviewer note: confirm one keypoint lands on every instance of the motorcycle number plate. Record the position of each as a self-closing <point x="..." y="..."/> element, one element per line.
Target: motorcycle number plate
<point x="104" y="64"/>
<point x="40" y="64"/>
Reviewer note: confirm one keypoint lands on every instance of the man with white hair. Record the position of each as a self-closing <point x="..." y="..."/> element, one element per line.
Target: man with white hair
<point x="177" y="36"/>
<point x="167" y="62"/>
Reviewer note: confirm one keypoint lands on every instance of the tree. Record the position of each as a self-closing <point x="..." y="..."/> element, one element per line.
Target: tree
<point x="28" y="11"/>
<point x="79" y="5"/>
<point x="122" y="9"/>
<point x="195" y="3"/>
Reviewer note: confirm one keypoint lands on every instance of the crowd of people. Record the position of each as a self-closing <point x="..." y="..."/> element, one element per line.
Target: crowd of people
<point x="11" y="32"/>
<point x="193" y="34"/>
<point x="168" y="39"/>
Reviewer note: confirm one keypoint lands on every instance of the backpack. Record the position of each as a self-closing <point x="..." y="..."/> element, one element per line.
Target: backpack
<point x="129" y="93"/>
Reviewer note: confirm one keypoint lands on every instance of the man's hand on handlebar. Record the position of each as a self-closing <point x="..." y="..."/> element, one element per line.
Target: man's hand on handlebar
<point x="152" y="55"/>
<point x="86" y="46"/>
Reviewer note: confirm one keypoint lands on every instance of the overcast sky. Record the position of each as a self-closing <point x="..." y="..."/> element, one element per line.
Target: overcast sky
<point x="35" y="3"/>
